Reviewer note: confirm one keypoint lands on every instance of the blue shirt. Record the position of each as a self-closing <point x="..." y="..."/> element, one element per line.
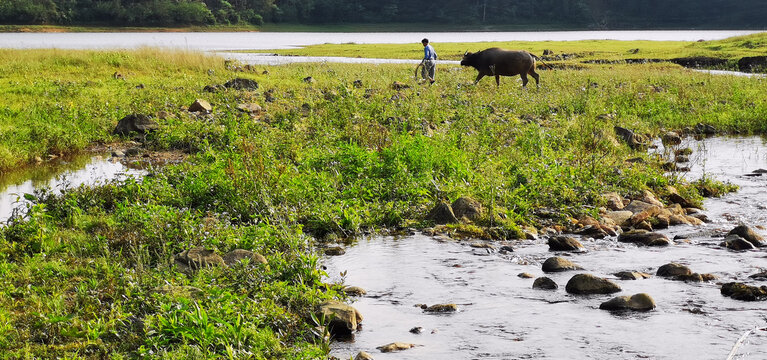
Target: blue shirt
<point x="429" y="53"/>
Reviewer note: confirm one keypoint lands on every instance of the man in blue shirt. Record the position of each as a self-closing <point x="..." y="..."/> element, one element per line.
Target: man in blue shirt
<point x="429" y="61"/>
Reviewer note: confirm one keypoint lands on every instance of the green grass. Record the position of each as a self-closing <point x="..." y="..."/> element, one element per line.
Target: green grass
<point x="730" y="49"/>
<point x="327" y="159"/>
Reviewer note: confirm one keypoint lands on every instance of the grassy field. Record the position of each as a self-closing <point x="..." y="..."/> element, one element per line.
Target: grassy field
<point x="584" y="50"/>
<point x="87" y="274"/>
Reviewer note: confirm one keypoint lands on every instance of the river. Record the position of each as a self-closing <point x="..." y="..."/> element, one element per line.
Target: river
<point x="501" y="317"/>
<point x="223" y="41"/>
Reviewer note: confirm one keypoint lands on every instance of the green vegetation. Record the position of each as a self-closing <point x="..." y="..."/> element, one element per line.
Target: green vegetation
<point x="580" y="52"/>
<point x="90" y="274"/>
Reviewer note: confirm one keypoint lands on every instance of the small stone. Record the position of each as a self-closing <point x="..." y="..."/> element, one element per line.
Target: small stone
<point x="396" y="346"/>
<point x="737" y="243"/>
<point x="354" y="291"/>
<point x="200" y="105"/>
<point x="335" y="251"/>
<point x="638" y="302"/>
<point x="238" y="255"/>
<point x="545" y="283"/>
<point x="557" y="264"/>
<point x="741" y="291"/>
<point x="363" y="356"/>
<point x="644" y="237"/>
<point x="525" y="275"/>
<point x="564" y="243"/>
<point x="673" y="270"/>
<point x="441" y="308"/>
<point x="632" y="275"/>
<point x="748" y="234"/>
<point x="250" y="108"/>
<point x="416" y="330"/>
<point x="590" y="284"/>
<point x="241" y="84"/>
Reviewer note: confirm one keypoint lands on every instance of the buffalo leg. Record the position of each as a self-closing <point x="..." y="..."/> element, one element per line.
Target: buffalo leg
<point x="524" y="79"/>
<point x="497" y="80"/>
<point x="479" y="77"/>
<point x="535" y="76"/>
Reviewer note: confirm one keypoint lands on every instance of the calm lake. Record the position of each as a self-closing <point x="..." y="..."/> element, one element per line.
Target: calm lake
<point x="222" y="41"/>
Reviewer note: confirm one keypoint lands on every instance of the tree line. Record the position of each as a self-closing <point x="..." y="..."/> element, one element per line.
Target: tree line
<point x="592" y="14"/>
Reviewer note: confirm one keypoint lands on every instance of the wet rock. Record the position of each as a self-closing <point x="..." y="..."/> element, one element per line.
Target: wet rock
<point x="200" y="105"/>
<point x="760" y="276"/>
<point x="590" y="284"/>
<point x="564" y="243"/>
<point x="544" y="283"/>
<point x="199" y="257"/>
<point x="241" y="84"/>
<point x="644" y="237"/>
<point x="363" y="356"/>
<point x="613" y="201"/>
<point x="592" y="231"/>
<point x="467" y="207"/>
<point x="632" y="275"/>
<point x="416" y="330"/>
<point x="748" y="234"/>
<point x="649" y="198"/>
<point x="741" y="291"/>
<point x="558" y="264"/>
<point x="525" y="275"/>
<point x="138" y="123"/>
<point x="238" y="255"/>
<point x="704" y="129"/>
<point x="396" y="346"/>
<point x="343" y="318"/>
<point x="335" y="251"/>
<point x="442" y="214"/>
<point x="673" y="270"/>
<point x="682" y="159"/>
<point x="250" y="108"/>
<point x="506" y="249"/>
<point x="660" y="222"/>
<point x="482" y="245"/>
<point x="115" y="153"/>
<point x="671" y="138"/>
<point x="441" y="308"/>
<point x="637" y="302"/>
<point x="354" y="291"/>
<point x="530" y="232"/>
<point x="675" y="198"/>
<point x="737" y="243"/>
<point x="621" y="218"/>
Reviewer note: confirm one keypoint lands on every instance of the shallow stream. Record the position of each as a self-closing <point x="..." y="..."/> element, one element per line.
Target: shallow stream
<point x="500" y="316"/>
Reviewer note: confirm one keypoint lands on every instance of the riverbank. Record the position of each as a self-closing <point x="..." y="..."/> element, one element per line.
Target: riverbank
<point x="295" y="160"/>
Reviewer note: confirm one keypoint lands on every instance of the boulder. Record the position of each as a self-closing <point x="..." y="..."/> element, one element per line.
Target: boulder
<point x="343" y="318"/>
<point x="335" y="251"/>
<point x="613" y="201"/>
<point x="737" y="243"/>
<point x="467" y="207"/>
<point x="395" y="346"/>
<point x="442" y="214"/>
<point x="138" y="123"/>
<point x="673" y="270"/>
<point x="558" y="264"/>
<point x="241" y="84"/>
<point x="238" y="255"/>
<point x="741" y="291"/>
<point x="198" y="257"/>
<point x="644" y="237"/>
<point x="564" y="243"/>
<point x="200" y="105"/>
<point x="632" y="275"/>
<point x="590" y="284"/>
<point x="544" y="283"/>
<point x="748" y="234"/>
<point x="441" y="308"/>
<point x="637" y="302"/>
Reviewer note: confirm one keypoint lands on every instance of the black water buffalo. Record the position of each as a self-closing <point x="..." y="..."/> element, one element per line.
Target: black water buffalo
<point x="497" y="62"/>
